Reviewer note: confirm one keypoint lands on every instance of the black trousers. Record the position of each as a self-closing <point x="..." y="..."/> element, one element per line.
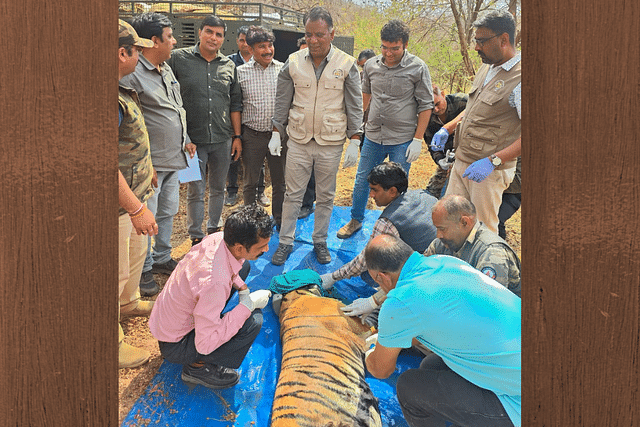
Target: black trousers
<point x="433" y="394"/>
<point x="510" y="205"/>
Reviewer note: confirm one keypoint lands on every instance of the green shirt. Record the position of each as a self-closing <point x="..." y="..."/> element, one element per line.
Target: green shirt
<point x="210" y="92"/>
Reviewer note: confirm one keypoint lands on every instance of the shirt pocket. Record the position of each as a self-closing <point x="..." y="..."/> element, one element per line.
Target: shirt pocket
<point x="399" y="85"/>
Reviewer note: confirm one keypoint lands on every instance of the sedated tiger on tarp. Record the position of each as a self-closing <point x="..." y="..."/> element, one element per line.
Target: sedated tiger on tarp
<point x="322" y="378"/>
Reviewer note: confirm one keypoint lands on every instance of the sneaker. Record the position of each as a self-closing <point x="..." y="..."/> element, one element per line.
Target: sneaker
<point x="131" y="357"/>
<point x="141" y="309"/>
<point x="322" y="253"/>
<point x="211" y="376"/>
<point x="165" y="268"/>
<point x="263" y="200"/>
<point x="282" y="253"/>
<point x="196" y="240"/>
<point x="305" y="211"/>
<point x="348" y="229"/>
<point x="148" y="285"/>
<point x="231" y="199"/>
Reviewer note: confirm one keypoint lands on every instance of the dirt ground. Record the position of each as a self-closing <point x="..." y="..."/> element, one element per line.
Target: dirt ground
<point x="133" y="382"/>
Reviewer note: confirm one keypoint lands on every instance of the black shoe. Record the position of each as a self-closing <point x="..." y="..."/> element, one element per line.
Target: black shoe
<point x="231" y="199"/>
<point x="211" y="376"/>
<point x="305" y="211"/>
<point x="322" y="253"/>
<point x="282" y="253"/>
<point x="148" y="285"/>
<point x="195" y="241"/>
<point x="164" y="268"/>
<point x="213" y="230"/>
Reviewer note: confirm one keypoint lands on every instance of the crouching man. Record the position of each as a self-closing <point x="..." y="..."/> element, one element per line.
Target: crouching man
<point x="187" y="317"/>
<point x="469" y="321"/>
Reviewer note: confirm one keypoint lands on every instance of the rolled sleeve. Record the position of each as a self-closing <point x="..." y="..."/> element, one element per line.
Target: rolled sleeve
<point x="235" y="93"/>
<point x="424" y="91"/>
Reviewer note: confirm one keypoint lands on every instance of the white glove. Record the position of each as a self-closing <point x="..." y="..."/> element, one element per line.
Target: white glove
<point x="360" y="306"/>
<point x="413" y="150"/>
<point x="351" y="156"/>
<point x="444" y="165"/>
<point x="253" y="300"/>
<point x="327" y="280"/>
<point x="370" y="342"/>
<point x="275" y="144"/>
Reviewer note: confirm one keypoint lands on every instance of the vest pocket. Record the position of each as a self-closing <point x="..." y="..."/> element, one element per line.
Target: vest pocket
<point x="334" y="126"/>
<point x="295" y="127"/>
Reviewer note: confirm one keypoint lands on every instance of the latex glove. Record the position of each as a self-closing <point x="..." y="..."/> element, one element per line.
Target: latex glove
<point x="254" y="300"/>
<point x="351" y="156"/>
<point x="444" y="164"/>
<point x="479" y="170"/>
<point x="275" y="144"/>
<point x="360" y="306"/>
<point x="439" y="139"/>
<point x="413" y="150"/>
<point x="327" y="280"/>
<point x="370" y="342"/>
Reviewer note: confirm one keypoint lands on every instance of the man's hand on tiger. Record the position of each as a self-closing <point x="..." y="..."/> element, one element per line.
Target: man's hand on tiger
<point x="327" y="281"/>
<point x="360" y="306"/>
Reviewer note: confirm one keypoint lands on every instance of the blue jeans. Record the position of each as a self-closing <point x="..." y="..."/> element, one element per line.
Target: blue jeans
<point x="372" y="155"/>
<point x="164" y="206"/>
<point x="215" y="158"/>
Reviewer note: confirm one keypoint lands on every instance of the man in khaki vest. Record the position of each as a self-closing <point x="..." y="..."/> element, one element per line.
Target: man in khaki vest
<point x="487" y="133"/>
<point x="319" y="101"/>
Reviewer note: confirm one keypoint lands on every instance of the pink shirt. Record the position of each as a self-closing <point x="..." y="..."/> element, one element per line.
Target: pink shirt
<point x="195" y="295"/>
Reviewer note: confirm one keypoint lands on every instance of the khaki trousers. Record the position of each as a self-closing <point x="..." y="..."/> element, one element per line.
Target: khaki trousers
<point x="486" y="195"/>
<point x="132" y="250"/>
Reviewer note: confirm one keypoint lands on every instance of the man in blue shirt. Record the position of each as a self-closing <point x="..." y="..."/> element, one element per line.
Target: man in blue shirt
<point x="469" y="321"/>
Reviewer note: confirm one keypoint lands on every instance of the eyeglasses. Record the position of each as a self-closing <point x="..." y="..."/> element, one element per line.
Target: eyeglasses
<point x="392" y="49"/>
<point x="482" y="41"/>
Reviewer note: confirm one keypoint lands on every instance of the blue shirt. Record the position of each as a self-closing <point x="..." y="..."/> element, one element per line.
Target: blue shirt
<point x="468" y="319"/>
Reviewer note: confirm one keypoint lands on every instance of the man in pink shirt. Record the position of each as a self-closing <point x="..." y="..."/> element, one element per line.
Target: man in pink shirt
<point x="187" y="317"/>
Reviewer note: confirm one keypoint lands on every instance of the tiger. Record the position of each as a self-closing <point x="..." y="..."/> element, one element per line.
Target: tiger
<point x="322" y="378"/>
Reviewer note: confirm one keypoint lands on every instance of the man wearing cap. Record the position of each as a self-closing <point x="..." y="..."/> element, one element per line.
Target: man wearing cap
<point x="159" y="94"/>
<point x="135" y="174"/>
<point x="213" y="101"/>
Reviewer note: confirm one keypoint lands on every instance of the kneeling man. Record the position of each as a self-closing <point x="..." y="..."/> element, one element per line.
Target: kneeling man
<point x="187" y="317"/>
<point x="469" y="321"/>
<point x="407" y="215"/>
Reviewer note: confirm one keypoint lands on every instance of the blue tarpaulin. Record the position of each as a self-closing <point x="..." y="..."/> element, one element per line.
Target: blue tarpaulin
<point x="167" y="401"/>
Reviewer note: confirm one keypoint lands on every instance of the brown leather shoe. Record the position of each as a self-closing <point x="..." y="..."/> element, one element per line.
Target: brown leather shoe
<point x="349" y="228"/>
<point x="143" y="308"/>
<point x="131" y="357"/>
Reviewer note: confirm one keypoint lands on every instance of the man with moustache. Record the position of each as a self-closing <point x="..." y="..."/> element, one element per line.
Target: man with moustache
<point x="487" y="133"/>
<point x="396" y="89"/>
<point x="406" y="215"/>
<point x="188" y="319"/>
<point x="159" y="95"/>
<point x="319" y="101"/>
<point x="259" y="79"/>
<point x="213" y="101"/>
<point x="461" y="235"/>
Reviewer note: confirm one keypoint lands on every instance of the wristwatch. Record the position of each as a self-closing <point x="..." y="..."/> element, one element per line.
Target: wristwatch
<point x="495" y="160"/>
<point x="237" y="136"/>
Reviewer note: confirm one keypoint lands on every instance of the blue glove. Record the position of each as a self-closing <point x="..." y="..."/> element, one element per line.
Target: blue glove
<point x="479" y="170"/>
<point x="439" y="139"/>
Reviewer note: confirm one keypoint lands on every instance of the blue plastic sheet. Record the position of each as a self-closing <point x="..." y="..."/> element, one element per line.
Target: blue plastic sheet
<point x="169" y="402"/>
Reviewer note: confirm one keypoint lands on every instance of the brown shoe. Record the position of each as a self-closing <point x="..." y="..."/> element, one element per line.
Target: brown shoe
<point x="347" y="230"/>
<point x="143" y="308"/>
<point x="131" y="357"/>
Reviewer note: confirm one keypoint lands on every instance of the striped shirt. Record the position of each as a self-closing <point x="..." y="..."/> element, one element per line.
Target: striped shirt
<point x="258" y="93"/>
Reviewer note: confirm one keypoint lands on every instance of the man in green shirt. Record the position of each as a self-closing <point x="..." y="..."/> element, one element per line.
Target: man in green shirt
<point x="213" y="100"/>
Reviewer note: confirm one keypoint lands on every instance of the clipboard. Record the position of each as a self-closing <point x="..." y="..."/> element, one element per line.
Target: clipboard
<point x="192" y="172"/>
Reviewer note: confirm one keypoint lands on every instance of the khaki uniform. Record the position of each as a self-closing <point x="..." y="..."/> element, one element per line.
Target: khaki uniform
<point x="487" y="252"/>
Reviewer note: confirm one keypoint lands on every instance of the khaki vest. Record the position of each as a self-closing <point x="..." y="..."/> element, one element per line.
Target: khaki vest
<point x="134" y="153"/>
<point x="318" y="110"/>
<point x="490" y="123"/>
